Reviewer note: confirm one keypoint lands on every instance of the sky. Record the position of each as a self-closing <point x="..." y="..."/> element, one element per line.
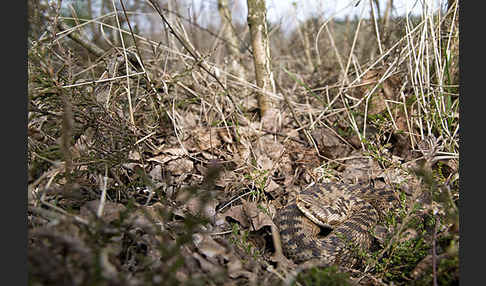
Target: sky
<point x="278" y="8"/>
<point x="288" y="12"/>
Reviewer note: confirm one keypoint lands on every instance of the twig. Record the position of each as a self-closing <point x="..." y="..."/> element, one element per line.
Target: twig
<point x="234" y="199"/>
<point x="195" y="55"/>
<point x="142" y="64"/>
<point x="434" y="254"/>
<point x="129" y="96"/>
<point x="99" y="213"/>
<point x="286" y="136"/>
<point x="76" y="37"/>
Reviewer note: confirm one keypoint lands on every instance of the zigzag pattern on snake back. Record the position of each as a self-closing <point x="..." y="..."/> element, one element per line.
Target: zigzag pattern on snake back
<point x="351" y="211"/>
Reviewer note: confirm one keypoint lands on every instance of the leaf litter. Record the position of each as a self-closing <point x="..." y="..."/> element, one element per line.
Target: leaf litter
<point x="191" y="194"/>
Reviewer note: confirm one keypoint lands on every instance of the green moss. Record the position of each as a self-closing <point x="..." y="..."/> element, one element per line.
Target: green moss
<point x="447" y="273"/>
<point x="329" y="276"/>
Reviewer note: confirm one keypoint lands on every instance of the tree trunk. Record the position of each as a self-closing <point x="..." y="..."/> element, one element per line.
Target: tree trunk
<point x="257" y="23"/>
<point x="231" y="41"/>
<point x="302" y="31"/>
<point x="386" y="16"/>
<point x="375" y="19"/>
<point x="386" y="22"/>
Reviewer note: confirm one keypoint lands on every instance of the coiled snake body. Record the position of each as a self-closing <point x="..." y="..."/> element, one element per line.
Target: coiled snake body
<point x="351" y="211"/>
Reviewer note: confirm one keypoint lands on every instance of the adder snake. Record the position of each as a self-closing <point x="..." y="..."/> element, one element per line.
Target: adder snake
<point x="351" y="211"/>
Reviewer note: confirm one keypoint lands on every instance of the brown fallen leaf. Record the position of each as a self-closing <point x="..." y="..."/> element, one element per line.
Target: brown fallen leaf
<point x="207" y="265"/>
<point x="235" y="268"/>
<point x="195" y="207"/>
<point x="257" y="216"/>
<point x="111" y="211"/>
<point x="175" y="151"/>
<point x="156" y="173"/>
<point x="133" y="155"/>
<point x="163" y="158"/>
<point x="180" y="166"/>
<point x="207" y="246"/>
<point x="211" y="254"/>
<point x="361" y="168"/>
<point x="195" y="204"/>
<point x="225" y="135"/>
<point x="264" y="162"/>
<point x="249" y="215"/>
<point x="269" y="146"/>
<point x="205" y="138"/>
<point x="236" y="213"/>
<point x="272" y="119"/>
<point x="271" y="186"/>
<point x="225" y="178"/>
<point x="209" y="156"/>
<point x="148" y="217"/>
<point x="329" y="143"/>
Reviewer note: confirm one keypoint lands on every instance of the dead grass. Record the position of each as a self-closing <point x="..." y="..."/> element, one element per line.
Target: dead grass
<point x="145" y="169"/>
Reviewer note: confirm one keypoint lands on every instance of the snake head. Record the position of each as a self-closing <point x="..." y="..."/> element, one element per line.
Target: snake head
<point x="325" y="213"/>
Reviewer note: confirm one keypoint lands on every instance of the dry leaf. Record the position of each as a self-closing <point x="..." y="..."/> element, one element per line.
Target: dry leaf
<point x="225" y="178"/>
<point x="376" y="104"/>
<point x="180" y="166"/>
<point x="271" y="186"/>
<point x="207" y="246"/>
<point x="133" y="155"/>
<point x="329" y="143"/>
<point x="235" y="268"/>
<point x="242" y="153"/>
<point x="163" y="158"/>
<point x="171" y="151"/>
<point x="361" y="168"/>
<point x="270" y="147"/>
<point x="249" y="216"/>
<point x="225" y="135"/>
<point x="206" y="138"/>
<point x="272" y="119"/>
<point x="194" y="204"/>
<point x="264" y="162"/>
<point x="156" y="173"/>
<point x="208" y="156"/>
<point x="256" y="215"/>
<point x="208" y="210"/>
<point x="237" y="214"/>
<point x="148" y="217"/>
<point x="206" y="265"/>
<point x="111" y="211"/>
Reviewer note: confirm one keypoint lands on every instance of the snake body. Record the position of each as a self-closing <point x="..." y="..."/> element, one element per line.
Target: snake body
<point x="349" y="211"/>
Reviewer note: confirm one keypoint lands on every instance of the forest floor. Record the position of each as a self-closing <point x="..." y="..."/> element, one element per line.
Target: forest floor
<point x="169" y="177"/>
